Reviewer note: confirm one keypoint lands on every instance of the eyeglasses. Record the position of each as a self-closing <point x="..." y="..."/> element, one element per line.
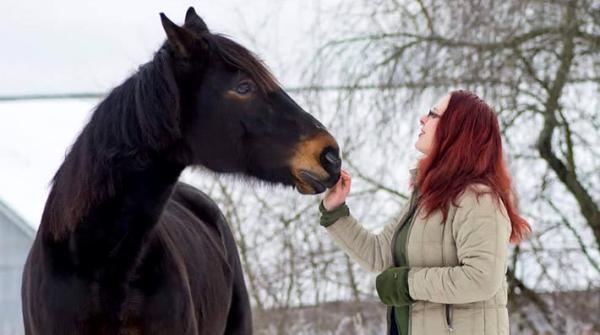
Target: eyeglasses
<point x="433" y="115"/>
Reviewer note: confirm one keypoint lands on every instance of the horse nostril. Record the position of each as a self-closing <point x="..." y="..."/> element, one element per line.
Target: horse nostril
<point x="333" y="159"/>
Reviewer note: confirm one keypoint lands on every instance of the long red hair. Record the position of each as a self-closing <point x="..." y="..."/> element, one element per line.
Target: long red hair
<point x="467" y="149"/>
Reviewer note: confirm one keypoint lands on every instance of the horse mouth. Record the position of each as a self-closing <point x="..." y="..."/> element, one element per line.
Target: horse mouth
<point x="315" y="185"/>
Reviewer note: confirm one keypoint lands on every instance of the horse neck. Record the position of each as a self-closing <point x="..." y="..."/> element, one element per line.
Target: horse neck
<point x="130" y="186"/>
<point x="105" y="223"/>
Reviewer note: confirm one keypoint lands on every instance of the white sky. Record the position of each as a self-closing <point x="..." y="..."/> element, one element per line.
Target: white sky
<point x="70" y="46"/>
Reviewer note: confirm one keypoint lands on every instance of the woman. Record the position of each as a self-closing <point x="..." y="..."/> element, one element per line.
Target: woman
<point x="442" y="264"/>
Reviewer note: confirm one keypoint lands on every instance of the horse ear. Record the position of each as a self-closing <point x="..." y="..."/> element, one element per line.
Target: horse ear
<point x="194" y="21"/>
<point x="181" y="39"/>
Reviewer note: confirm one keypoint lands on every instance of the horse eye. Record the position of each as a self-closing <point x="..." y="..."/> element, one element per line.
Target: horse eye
<point x="244" y="87"/>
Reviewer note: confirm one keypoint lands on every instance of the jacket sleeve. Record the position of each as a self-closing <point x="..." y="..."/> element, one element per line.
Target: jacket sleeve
<point x="481" y="232"/>
<point x="371" y="251"/>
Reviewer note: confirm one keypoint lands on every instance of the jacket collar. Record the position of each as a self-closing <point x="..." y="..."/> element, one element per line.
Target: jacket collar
<point x="413" y="176"/>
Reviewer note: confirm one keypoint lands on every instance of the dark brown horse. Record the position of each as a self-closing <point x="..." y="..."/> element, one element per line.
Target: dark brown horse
<point x="123" y="248"/>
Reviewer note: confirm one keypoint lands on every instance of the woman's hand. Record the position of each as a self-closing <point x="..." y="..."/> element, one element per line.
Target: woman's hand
<point x="336" y="195"/>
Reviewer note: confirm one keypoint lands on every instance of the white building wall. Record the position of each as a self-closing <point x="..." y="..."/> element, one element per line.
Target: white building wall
<point x="15" y="241"/>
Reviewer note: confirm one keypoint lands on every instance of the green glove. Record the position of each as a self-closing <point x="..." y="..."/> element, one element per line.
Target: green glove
<point x="392" y="286"/>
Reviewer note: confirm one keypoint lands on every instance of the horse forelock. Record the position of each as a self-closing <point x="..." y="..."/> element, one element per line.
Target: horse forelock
<point x="244" y="60"/>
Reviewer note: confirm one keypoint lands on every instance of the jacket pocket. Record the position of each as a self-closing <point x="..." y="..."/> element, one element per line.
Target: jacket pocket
<point x="448" y="317"/>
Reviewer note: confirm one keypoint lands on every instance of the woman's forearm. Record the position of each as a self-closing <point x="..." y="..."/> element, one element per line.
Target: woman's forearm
<point x="371" y="251"/>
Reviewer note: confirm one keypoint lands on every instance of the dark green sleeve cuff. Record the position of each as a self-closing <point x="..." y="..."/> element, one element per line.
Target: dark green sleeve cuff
<point x="329" y="217"/>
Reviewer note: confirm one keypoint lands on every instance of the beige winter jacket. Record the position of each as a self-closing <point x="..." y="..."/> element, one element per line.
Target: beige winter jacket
<point x="458" y="269"/>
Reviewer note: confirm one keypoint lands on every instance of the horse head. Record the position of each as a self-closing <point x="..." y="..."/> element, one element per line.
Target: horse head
<point x="234" y="117"/>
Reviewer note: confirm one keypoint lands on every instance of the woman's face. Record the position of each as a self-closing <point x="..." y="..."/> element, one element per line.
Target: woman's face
<point x="429" y="124"/>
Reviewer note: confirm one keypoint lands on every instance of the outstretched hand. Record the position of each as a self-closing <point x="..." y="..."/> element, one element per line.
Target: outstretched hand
<point x="336" y="195"/>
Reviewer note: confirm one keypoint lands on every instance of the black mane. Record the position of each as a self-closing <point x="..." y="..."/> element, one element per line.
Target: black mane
<point x="135" y="121"/>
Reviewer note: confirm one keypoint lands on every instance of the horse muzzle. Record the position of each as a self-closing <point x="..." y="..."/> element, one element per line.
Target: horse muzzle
<point x="316" y="164"/>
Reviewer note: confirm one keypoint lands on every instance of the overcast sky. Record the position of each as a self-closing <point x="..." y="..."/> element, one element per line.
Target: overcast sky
<point x="69" y="46"/>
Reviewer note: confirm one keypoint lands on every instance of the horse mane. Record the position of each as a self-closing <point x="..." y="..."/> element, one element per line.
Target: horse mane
<point x="242" y="59"/>
<point x="136" y="119"/>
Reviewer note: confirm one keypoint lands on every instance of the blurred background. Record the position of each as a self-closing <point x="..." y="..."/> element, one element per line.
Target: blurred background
<point x="367" y="70"/>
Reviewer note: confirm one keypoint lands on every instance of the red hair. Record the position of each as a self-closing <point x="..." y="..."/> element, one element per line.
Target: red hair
<point x="467" y="149"/>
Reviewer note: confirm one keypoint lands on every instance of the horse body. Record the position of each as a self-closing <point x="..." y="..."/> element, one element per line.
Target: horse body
<point x="186" y="279"/>
<point x="123" y="248"/>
